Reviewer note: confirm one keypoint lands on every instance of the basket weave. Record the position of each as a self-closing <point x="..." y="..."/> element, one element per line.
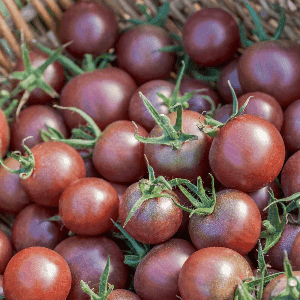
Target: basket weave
<point x="39" y="19"/>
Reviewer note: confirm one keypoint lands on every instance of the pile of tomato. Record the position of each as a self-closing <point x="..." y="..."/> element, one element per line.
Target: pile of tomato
<point x="119" y="182"/>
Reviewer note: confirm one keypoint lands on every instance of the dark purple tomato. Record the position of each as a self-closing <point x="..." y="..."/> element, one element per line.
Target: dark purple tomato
<point x="190" y="161"/>
<point x="198" y="103"/>
<point x="87" y="257"/>
<point x="103" y="94"/>
<point x="138" y="111"/>
<point x="294" y="253"/>
<point x="290" y="130"/>
<point x="223" y="113"/>
<point x="57" y="165"/>
<point x="247" y="153"/>
<point x="1" y="286"/>
<point x="122" y="294"/>
<point x="53" y="76"/>
<point x="87" y="206"/>
<point x="264" y="106"/>
<point x="156" y="276"/>
<point x="92" y="27"/>
<point x="6" y="251"/>
<point x="117" y="155"/>
<point x="31" y="121"/>
<point x="290" y="176"/>
<point x="5" y="134"/>
<point x="211" y="37"/>
<point x="271" y="67"/>
<point x="137" y="53"/>
<point x="37" y="273"/>
<point x="13" y="197"/>
<point x="229" y="72"/>
<point x="277" y="286"/>
<point x="155" y="221"/>
<point x="235" y="223"/>
<point x="31" y="228"/>
<point x="120" y="188"/>
<point x="88" y="161"/>
<point x="212" y="273"/>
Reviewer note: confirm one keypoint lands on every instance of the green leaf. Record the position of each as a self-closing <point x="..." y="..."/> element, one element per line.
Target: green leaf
<point x="161" y="16"/>
<point x="281" y="23"/>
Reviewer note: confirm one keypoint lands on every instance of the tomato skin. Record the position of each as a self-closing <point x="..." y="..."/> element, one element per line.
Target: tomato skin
<point x="210" y="37"/>
<point x="122" y="294"/>
<point x="103" y="94"/>
<point x="6" y="251"/>
<point x="156" y="276"/>
<point x="247" y="153"/>
<point x="56" y="166"/>
<point x="155" y="221"/>
<point x="37" y="273"/>
<point x="91" y="26"/>
<point x="87" y="206"/>
<point x="235" y="223"/>
<point x="4" y="134"/>
<point x="137" y="53"/>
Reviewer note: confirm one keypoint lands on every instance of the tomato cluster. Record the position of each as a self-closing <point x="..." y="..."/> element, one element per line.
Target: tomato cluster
<point x="159" y="189"/>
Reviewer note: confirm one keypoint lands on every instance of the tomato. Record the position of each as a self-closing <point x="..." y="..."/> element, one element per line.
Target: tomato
<point x="30" y="228"/>
<point x="31" y="121"/>
<point x="103" y="94"/>
<point x="212" y="273"/>
<point x="87" y="257"/>
<point x="223" y="113"/>
<point x="56" y="166"/>
<point x="294" y="253"/>
<point x="37" y="273"/>
<point x="156" y="276"/>
<point x="247" y="153"/>
<point x="87" y="206"/>
<point x="4" y="134"/>
<point x="137" y="53"/>
<point x="1" y="286"/>
<point x="6" y="251"/>
<point x="122" y="294"/>
<point x="271" y="67"/>
<point x="155" y="221"/>
<point x="210" y="37"/>
<point x="117" y="155"/>
<point x="92" y="27"/>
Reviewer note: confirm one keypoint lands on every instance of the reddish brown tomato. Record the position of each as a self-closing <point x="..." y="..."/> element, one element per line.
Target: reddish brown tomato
<point x="31" y="121"/>
<point x="103" y="94"/>
<point x="4" y="134"/>
<point x="212" y="273"/>
<point x="53" y="75"/>
<point x="87" y="257"/>
<point x="190" y="161"/>
<point x="6" y="251"/>
<point x="271" y="67"/>
<point x="92" y="27"/>
<point x="122" y="294"/>
<point x="294" y="253"/>
<point x="38" y="273"/>
<point x="87" y="206"/>
<point x="223" y="113"/>
<point x="117" y="155"/>
<point x="210" y="37"/>
<point x="13" y="197"/>
<point x="57" y="165"/>
<point x="156" y="276"/>
<point x="155" y="221"/>
<point x="137" y="53"/>
<point x="31" y="228"/>
<point x="247" y="153"/>
<point x="1" y="286"/>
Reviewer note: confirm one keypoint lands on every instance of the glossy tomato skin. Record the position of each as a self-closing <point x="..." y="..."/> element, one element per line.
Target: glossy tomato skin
<point x="103" y="94"/>
<point x="1" y="286"/>
<point x="31" y="121"/>
<point x="137" y="53"/>
<point x="38" y="273"/>
<point x="53" y="75"/>
<point x="5" y="134"/>
<point x="92" y="27"/>
<point x="117" y="155"/>
<point x="138" y="111"/>
<point x="294" y="253"/>
<point x="190" y="161"/>
<point x="122" y="294"/>
<point x="280" y="76"/>
<point x="223" y="113"/>
<point x="156" y="276"/>
<point x="235" y="223"/>
<point x="13" y="197"/>
<point x="56" y="166"/>
<point x="155" y="221"/>
<point x="247" y="153"/>
<point x="87" y="206"/>
<point x="212" y="273"/>
<point x="210" y="37"/>
<point x="87" y="257"/>
<point x="6" y="251"/>
<point x="31" y="228"/>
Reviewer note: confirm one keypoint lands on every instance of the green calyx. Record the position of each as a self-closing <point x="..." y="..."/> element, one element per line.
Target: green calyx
<point x="259" y="31"/>
<point x="90" y="64"/>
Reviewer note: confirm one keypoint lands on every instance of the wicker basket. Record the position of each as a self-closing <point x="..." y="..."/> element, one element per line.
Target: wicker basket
<point x="39" y="19"/>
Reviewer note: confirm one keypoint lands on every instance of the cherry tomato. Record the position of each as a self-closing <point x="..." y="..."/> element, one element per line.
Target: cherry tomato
<point x="122" y="294"/>
<point x="294" y="253"/>
<point x="6" y="251"/>
<point x="4" y="134"/>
